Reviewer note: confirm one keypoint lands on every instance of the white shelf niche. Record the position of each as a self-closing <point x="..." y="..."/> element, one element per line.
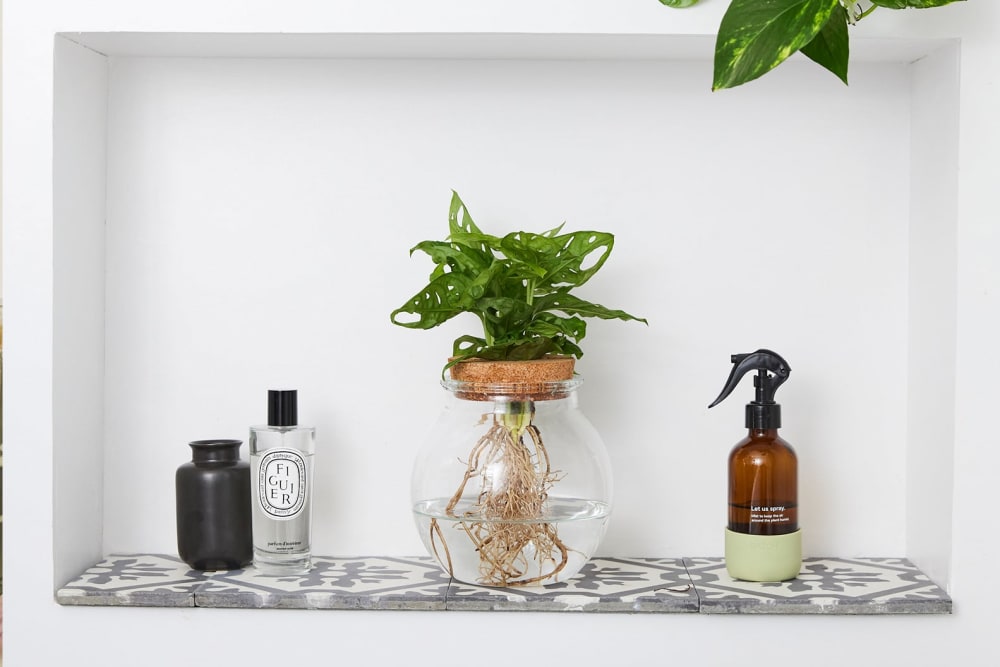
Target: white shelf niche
<point x="220" y="198"/>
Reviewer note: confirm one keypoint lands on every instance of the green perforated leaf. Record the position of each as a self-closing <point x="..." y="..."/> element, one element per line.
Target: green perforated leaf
<point x="438" y="302"/>
<point x="518" y="286"/>
<point x="569" y="304"/>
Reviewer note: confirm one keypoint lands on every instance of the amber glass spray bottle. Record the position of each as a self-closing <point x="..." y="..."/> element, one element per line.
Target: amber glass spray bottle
<point x="763" y="540"/>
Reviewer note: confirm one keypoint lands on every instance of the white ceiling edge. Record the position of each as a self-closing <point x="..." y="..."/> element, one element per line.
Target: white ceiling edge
<point x="512" y="46"/>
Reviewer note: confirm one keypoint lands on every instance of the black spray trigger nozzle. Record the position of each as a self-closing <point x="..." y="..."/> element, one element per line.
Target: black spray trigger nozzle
<point x="772" y="371"/>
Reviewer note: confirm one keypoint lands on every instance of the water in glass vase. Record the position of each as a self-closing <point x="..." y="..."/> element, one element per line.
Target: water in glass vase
<point x="524" y="552"/>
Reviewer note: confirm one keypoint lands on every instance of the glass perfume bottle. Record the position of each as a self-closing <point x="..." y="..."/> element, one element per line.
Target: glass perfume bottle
<point x="281" y="459"/>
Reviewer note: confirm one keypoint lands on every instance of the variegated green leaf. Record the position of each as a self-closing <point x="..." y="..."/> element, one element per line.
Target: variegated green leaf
<point x="679" y="4"/>
<point x="755" y="36"/>
<point x="914" y="4"/>
<point x="831" y="47"/>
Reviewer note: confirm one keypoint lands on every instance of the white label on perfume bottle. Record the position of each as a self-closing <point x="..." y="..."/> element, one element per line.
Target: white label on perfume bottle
<point x="281" y="483"/>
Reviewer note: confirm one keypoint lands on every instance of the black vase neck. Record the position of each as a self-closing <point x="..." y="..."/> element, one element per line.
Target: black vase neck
<point x="215" y="451"/>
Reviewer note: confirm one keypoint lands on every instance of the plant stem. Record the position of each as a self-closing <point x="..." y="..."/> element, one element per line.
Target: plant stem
<point x="867" y="12"/>
<point x="487" y="336"/>
<point x="854" y="13"/>
<point x="517" y="417"/>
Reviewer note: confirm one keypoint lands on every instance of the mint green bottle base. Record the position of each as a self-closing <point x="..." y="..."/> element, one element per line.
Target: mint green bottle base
<point x="763" y="557"/>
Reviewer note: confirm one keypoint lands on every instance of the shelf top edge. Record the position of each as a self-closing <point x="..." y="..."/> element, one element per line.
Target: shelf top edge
<point x="452" y="45"/>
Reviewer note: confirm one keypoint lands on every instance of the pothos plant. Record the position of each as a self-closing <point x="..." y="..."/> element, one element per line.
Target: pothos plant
<point x="756" y="36"/>
<point x="518" y="286"/>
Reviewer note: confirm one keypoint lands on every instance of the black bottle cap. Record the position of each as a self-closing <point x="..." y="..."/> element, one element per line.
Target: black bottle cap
<point x="282" y="407"/>
<point x="772" y="370"/>
<point x="763" y="417"/>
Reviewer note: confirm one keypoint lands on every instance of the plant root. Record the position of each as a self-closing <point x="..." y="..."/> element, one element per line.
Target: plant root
<point x="436" y="530"/>
<point x="515" y="475"/>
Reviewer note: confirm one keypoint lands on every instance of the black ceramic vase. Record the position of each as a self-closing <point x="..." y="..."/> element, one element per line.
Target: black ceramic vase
<point x="213" y="507"/>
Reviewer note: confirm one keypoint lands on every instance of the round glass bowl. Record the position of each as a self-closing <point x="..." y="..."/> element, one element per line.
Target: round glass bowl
<point x="513" y="486"/>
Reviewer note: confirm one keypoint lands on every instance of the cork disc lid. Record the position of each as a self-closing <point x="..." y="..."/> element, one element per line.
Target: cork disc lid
<point x="537" y="379"/>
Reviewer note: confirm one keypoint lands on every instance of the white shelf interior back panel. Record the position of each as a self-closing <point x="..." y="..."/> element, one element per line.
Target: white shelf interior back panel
<point x="235" y="214"/>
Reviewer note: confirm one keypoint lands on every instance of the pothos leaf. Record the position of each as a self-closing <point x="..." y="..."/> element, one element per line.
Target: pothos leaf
<point x="915" y="4"/>
<point x="756" y="36"/>
<point x="679" y="4"/>
<point x="831" y="47"/>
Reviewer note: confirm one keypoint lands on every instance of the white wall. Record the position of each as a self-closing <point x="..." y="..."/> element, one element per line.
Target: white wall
<point x="200" y="166"/>
<point x="266" y="208"/>
<point x="78" y="250"/>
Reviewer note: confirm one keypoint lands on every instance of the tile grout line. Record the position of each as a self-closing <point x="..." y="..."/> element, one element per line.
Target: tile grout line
<point x="694" y="587"/>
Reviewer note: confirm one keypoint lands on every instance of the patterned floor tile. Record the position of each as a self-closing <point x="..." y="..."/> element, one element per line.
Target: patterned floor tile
<point x="333" y="583"/>
<point x="824" y="586"/>
<point x="603" y="585"/>
<point x="147" y="580"/>
<point x="664" y="585"/>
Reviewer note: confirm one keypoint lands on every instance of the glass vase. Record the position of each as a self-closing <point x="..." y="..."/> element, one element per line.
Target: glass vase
<point x="513" y="486"/>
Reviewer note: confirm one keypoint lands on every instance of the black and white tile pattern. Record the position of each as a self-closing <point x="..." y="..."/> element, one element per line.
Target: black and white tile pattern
<point x="603" y="585"/>
<point x="334" y="583"/>
<point x="824" y="586"/>
<point x="143" y="580"/>
<point x="608" y="585"/>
